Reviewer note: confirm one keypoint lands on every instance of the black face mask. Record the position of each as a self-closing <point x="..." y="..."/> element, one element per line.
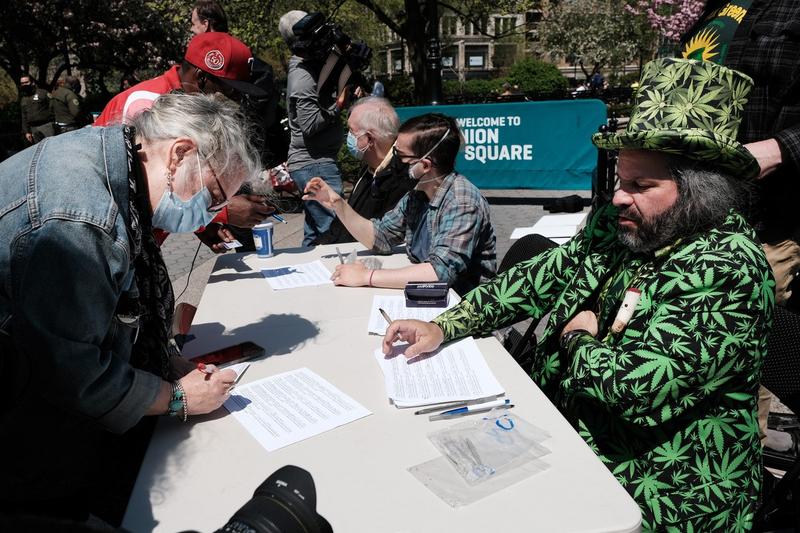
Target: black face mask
<point x="27" y="90"/>
<point x="399" y="168"/>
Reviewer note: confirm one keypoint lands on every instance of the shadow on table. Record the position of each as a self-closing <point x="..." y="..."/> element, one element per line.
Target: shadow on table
<point x="278" y="334"/>
<point x="278" y="272"/>
<point x="218" y="278"/>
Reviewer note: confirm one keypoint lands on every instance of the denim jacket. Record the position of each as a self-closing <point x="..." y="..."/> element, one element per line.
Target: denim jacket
<point x="64" y="263"/>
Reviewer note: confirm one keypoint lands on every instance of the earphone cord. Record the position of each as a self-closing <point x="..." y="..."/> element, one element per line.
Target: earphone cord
<point x="191" y="268"/>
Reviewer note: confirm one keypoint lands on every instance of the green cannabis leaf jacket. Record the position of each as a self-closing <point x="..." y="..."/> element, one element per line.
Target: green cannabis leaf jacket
<point x="669" y="403"/>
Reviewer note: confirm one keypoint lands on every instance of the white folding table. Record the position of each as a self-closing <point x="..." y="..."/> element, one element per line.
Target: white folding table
<point x="196" y="475"/>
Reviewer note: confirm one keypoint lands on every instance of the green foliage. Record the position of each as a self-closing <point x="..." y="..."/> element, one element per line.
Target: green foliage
<point x="408" y="19"/>
<point x="534" y="76"/>
<point x="624" y="80"/>
<point x="620" y="109"/>
<point x="473" y="90"/>
<point x="399" y="89"/>
<point x="596" y="32"/>
<point x="8" y="89"/>
<point x="115" y="34"/>
<point x="10" y="114"/>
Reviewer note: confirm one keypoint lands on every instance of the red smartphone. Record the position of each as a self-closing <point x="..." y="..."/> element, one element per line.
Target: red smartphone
<point x="231" y="355"/>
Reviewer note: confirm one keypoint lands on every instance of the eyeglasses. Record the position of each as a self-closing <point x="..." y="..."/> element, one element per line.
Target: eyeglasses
<point x="400" y="156"/>
<point x="217" y="205"/>
<point x="427" y="154"/>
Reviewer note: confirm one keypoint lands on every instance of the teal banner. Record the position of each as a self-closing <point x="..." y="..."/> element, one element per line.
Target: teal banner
<point x="525" y="145"/>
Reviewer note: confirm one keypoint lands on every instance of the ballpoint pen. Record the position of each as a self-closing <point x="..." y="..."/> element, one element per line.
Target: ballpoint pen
<point x="278" y="218"/>
<point x="341" y="259"/>
<point x="385" y="316"/>
<point x="472" y="409"/>
<point x="455" y="405"/>
<point x="238" y="378"/>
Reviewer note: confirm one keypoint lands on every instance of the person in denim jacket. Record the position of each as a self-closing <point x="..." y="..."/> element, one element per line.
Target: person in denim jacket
<point x="85" y="300"/>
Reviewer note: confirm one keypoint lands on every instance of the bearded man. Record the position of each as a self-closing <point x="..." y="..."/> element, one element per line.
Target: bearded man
<point x="660" y="308"/>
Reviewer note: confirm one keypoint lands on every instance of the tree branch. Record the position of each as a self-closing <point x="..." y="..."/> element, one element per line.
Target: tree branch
<point x="477" y="22"/>
<point x="382" y="15"/>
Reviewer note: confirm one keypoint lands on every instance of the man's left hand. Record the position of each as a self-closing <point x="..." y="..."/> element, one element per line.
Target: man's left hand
<point x="584" y="320"/>
<point x="352" y="275"/>
<point x="214" y="235"/>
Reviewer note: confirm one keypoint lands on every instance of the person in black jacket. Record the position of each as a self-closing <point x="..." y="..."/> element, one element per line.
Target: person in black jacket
<point x="372" y="126"/>
<point x="761" y="39"/>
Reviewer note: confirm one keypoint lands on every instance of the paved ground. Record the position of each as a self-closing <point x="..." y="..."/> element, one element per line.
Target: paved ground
<point x="510" y="209"/>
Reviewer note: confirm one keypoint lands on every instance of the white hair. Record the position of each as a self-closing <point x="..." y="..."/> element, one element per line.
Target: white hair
<point x="285" y="25"/>
<point x="214" y="123"/>
<point x="378" y="117"/>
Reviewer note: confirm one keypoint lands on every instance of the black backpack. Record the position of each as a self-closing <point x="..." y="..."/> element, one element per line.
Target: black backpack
<point x="271" y="135"/>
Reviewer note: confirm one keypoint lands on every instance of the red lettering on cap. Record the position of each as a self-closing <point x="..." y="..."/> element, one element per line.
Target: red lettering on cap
<point x="215" y="60"/>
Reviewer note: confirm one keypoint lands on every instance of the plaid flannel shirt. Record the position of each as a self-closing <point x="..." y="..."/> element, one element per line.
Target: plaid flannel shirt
<point x="462" y="248"/>
<point x="766" y="47"/>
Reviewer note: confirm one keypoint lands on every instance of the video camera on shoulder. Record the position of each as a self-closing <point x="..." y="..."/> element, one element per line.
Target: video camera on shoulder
<point x="324" y="42"/>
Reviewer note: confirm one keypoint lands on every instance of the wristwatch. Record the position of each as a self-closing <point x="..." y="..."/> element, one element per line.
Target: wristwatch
<point x="567" y="337"/>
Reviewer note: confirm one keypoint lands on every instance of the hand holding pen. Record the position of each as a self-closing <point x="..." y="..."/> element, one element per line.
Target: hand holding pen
<point x="274" y="214"/>
<point x="207" y="369"/>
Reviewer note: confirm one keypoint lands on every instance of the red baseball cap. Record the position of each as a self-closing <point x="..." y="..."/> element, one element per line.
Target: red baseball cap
<point x="224" y="57"/>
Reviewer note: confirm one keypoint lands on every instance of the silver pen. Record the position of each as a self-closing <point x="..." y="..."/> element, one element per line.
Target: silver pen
<point x="238" y="378"/>
<point x="466" y="412"/>
<point x="341" y="259"/>
<point x="454" y="405"/>
<point x="385" y="316"/>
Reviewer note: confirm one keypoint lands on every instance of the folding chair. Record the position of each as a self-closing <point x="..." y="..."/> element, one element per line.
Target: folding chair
<point x="518" y="344"/>
<point x="781" y="375"/>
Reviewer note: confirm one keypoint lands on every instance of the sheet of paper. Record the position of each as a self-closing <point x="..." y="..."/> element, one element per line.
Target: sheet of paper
<point x="395" y="307"/>
<point x="572" y="219"/>
<point x="290" y="407"/>
<point x="453" y="373"/>
<point x="293" y="276"/>
<point x="556" y="227"/>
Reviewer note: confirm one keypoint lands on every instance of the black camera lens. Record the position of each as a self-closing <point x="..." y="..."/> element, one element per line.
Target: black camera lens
<point x="285" y="502"/>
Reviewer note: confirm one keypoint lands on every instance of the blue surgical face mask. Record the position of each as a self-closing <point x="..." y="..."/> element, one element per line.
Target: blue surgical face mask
<point x="178" y="216"/>
<point x="352" y="145"/>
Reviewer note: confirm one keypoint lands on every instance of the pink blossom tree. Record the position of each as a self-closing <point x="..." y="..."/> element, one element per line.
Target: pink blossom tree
<point x="670" y="18"/>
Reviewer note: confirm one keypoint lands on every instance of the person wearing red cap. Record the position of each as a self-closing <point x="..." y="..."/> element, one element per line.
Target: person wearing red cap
<point x="214" y="62"/>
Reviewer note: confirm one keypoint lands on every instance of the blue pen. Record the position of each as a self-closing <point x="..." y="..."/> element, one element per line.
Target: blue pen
<point x="278" y="218"/>
<point x="471" y="409"/>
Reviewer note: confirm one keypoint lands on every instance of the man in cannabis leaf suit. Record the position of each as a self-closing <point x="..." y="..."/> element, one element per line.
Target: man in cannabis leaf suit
<point x="667" y="396"/>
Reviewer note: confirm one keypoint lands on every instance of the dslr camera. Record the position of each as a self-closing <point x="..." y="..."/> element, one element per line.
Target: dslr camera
<point x="343" y="60"/>
<point x="286" y="502"/>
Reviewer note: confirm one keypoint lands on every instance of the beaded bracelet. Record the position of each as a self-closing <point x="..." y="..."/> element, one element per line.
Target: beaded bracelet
<point x="177" y="401"/>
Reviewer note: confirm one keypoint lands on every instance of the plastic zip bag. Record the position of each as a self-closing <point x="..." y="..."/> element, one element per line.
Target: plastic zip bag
<point x="480" y="449"/>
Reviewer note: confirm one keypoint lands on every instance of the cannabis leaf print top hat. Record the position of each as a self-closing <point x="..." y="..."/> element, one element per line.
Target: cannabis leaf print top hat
<point x="689" y="108"/>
